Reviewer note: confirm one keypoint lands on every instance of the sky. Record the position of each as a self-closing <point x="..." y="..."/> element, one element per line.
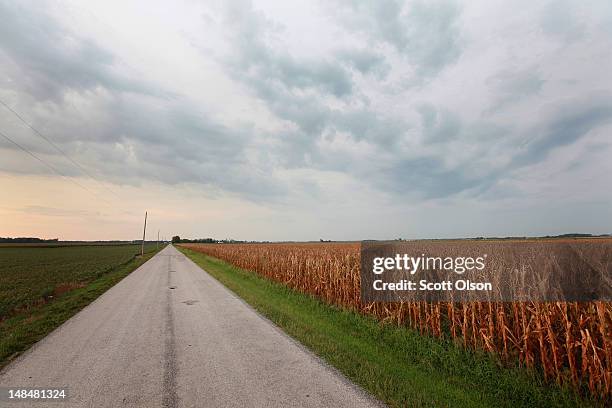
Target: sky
<point x="342" y="120"/>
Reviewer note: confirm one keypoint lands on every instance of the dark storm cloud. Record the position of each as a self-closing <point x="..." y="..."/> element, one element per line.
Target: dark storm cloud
<point x="512" y="86"/>
<point x="365" y="61"/>
<point x="372" y="126"/>
<point x="438" y="125"/>
<point x="566" y="125"/>
<point x="424" y="32"/>
<point x="298" y="75"/>
<point x="278" y="69"/>
<point x="429" y="177"/>
<point x="302" y="148"/>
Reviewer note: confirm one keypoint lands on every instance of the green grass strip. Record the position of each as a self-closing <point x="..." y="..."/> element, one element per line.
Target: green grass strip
<point x="395" y="364"/>
<point x="20" y="332"/>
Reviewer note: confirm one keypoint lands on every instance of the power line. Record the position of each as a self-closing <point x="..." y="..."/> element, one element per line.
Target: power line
<point x="53" y="168"/>
<point x="57" y="148"/>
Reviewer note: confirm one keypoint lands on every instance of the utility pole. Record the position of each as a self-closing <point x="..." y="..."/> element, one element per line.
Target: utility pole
<point x="157" y="239"/>
<point x="144" y="232"/>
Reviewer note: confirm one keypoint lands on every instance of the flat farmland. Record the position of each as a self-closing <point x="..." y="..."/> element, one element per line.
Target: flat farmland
<point x="569" y="343"/>
<point x="32" y="275"/>
<point x="42" y="286"/>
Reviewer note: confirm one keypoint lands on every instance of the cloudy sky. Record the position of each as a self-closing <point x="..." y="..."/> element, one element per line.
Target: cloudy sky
<point x="305" y="120"/>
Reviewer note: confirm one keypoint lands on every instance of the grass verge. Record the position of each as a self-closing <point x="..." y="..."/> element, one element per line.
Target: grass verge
<point x="21" y="331"/>
<point x="395" y="364"/>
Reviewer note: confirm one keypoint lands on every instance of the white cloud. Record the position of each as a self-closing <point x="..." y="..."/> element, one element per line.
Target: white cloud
<point x="320" y="111"/>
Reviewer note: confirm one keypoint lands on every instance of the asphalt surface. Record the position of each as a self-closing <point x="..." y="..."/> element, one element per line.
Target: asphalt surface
<point x="169" y="335"/>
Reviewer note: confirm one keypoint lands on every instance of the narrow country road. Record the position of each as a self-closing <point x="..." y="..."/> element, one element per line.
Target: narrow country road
<point x="169" y="335"/>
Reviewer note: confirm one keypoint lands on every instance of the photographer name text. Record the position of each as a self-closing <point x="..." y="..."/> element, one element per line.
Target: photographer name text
<point x="424" y="285"/>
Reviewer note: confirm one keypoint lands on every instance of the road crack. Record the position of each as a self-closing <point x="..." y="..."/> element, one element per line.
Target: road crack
<point x="170" y="397"/>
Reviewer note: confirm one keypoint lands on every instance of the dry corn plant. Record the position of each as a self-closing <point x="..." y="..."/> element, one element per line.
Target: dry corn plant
<point x="570" y="342"/>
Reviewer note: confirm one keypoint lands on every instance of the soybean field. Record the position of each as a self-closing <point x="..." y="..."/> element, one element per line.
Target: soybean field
<point x="33" y="275"/>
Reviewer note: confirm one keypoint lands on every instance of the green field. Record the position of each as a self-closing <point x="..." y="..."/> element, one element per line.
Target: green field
<point x="30" y="276"/>
<point x="42" y="287"/>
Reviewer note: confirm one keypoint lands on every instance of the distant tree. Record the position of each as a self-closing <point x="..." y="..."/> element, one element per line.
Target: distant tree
<point x="26" y="240"/>
<point x="206" y="240"/>
<point x="176" y="239"/>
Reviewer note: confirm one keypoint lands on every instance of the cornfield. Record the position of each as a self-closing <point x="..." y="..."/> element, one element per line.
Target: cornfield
<point x="571" y="343"/>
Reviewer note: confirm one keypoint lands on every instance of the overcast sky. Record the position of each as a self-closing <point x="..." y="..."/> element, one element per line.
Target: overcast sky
<point x="306" y="120"/>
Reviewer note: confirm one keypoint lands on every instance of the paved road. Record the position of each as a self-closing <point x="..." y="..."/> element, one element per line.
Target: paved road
<point x="169" y="335"/>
